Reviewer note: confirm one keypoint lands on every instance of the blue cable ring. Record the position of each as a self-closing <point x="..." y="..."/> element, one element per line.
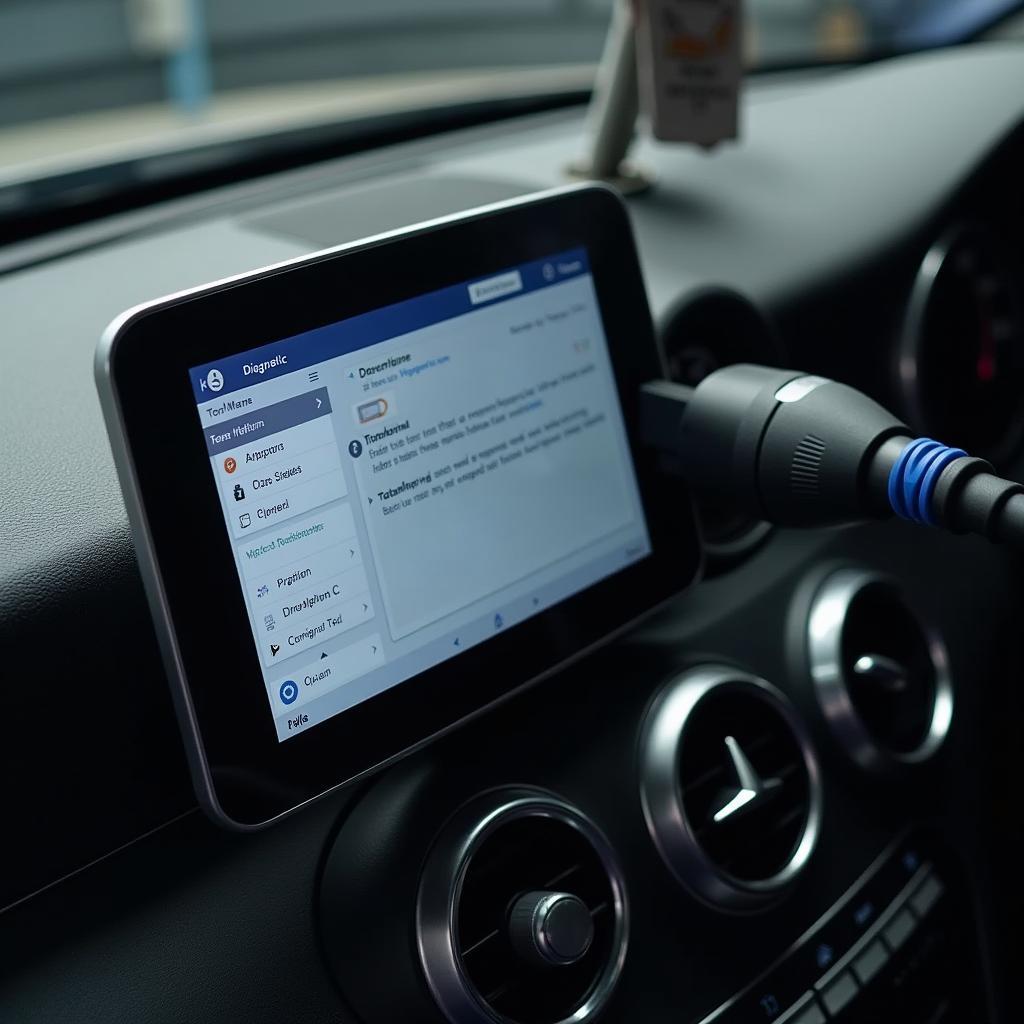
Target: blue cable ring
<point x="915" y="475"/>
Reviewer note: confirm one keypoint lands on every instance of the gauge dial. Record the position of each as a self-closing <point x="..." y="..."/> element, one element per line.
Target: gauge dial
<point x="961" y="358"/>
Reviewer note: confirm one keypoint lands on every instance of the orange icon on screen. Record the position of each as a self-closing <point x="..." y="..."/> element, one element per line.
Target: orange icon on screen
<point x="230" y="465"/>
<point x="372" y="410"/>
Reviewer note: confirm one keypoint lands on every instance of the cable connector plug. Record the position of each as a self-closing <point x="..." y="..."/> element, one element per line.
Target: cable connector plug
<point x="801" y="450"/>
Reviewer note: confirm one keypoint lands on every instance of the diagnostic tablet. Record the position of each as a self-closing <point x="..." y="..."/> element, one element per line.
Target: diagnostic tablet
<point x="378" y="489"/>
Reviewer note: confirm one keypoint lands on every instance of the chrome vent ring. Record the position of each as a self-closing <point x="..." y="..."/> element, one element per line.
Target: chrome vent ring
<point x="730" y="786"/>
<point x="880" y="672"/>
<point x="503" y="847"/>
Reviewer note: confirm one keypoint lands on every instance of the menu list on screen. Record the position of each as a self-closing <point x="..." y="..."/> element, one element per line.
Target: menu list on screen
<point x="407" y="483"/>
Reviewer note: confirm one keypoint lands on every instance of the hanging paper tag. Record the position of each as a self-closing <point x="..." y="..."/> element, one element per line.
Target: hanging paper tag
<point x="690" y="62"/>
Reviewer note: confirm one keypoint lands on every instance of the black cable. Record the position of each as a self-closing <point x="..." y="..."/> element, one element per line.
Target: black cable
<point x="800" y="450"/>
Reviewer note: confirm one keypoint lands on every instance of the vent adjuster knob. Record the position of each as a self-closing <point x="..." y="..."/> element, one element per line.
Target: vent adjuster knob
<point x="550" y="929"/>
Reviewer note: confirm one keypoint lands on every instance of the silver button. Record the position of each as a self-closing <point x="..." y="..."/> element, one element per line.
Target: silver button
<point x="837" y="995"/>
<point x="927" y="895"/>
<point x="804" y="1011"/>
<point x="870" y="962"/>
<point x="899" y="929"/>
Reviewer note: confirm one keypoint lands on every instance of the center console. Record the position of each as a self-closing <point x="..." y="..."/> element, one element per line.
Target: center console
<point x="899" y="946"/>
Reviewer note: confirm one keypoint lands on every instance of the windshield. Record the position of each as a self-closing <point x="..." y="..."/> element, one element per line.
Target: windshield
<point x="89" y="82"/>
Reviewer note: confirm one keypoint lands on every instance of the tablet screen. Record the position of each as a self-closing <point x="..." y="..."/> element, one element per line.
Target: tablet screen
<point x="407" y="483"/>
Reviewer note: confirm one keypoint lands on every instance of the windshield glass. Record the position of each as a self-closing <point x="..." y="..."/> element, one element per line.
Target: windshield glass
<point x="84" y="82"/>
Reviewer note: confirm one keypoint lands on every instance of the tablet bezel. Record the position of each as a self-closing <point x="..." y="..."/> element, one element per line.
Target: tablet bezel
<point x="244" y="776"/>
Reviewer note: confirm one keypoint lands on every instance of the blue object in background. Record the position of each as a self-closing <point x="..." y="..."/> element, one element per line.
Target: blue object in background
<point x="189" y="81"/>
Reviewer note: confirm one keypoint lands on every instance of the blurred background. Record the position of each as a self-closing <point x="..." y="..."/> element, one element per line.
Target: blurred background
<point x="80" y="78"/>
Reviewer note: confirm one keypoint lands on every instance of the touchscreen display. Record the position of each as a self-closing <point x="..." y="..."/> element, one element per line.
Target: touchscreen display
<point x="404" y="484"/>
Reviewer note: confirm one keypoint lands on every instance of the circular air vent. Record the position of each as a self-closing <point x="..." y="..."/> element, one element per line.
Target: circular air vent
<point x="522" y="912"/>
<point x="881" y="675"/>
<point x="730" y="786"/>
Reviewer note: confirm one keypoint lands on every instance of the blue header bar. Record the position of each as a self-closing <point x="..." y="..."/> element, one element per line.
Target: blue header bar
<point x="301" y="350"/>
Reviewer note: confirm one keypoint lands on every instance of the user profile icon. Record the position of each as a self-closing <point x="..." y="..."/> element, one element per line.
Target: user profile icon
<point x="215" y="380"/>
<point x="289" y="692"/>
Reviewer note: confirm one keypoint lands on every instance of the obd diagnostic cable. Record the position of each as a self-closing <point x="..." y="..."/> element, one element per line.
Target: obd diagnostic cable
<point x="800" y="450"/>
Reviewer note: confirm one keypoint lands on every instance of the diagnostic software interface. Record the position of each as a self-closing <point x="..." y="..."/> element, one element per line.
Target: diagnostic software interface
<point x="406" y="483"/>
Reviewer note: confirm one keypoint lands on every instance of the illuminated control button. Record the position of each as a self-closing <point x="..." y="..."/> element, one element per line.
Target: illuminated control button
<point x="899" y="929"/>
<point x="837" y="995"/>
<point x="927" y="895"/>
<point x="870" y="962"/>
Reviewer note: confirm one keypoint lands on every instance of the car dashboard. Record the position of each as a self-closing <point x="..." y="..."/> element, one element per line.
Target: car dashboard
<point x="870" y="220"/>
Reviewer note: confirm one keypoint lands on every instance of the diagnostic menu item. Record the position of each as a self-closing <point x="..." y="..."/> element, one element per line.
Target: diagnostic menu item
<point x="460" y="465"/>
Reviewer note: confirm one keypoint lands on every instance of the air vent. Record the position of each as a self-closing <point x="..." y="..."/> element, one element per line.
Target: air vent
<point x="522" y="912"/>
<point x="881" y="674"/>
<point x="730" y="786"/>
